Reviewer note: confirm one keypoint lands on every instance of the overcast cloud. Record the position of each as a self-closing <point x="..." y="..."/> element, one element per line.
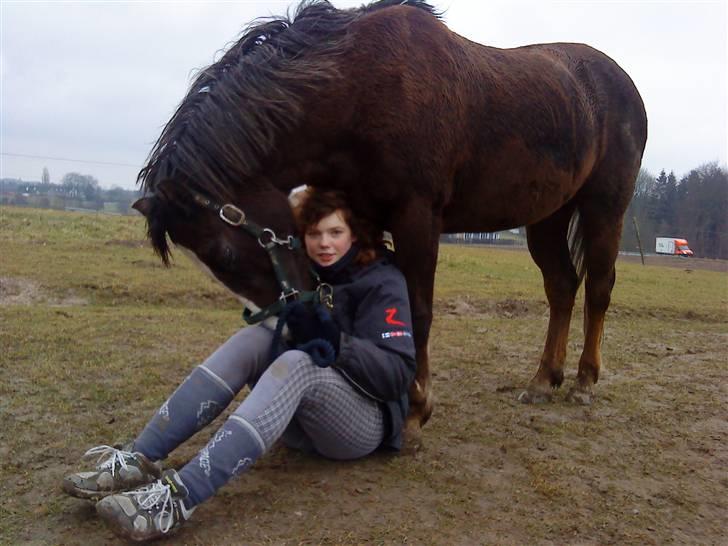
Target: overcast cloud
<point x="96" y="81"/>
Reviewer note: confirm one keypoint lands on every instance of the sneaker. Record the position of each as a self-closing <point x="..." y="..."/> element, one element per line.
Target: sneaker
<point x="153" y="511"/>
<point x="117" y="469"/>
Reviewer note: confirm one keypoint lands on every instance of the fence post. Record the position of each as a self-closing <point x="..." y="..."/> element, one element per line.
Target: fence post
<point x="639" y="241"/>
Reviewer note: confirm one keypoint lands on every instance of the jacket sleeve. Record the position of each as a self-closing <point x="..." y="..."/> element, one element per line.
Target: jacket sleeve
<point x="379" y="356"/>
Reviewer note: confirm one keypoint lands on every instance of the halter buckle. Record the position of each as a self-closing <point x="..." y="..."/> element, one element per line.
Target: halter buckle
<point x="233" y="221"/>
<point x="289" y="296"/>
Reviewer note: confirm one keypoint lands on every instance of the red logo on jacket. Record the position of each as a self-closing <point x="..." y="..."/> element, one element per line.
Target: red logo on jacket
<point x="389" y="319"/>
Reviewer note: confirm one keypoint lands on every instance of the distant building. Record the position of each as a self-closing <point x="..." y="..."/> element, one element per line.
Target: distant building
<point x="511" y="237"/>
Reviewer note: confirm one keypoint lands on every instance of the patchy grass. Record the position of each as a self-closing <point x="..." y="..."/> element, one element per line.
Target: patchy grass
<point x="95" y="333"/>
<point x="104" y="260"/>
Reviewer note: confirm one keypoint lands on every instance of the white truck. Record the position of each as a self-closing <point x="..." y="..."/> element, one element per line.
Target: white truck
<point x="672" y="246"/>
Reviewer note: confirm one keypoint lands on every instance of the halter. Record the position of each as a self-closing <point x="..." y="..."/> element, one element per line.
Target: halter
<point x="232" y="215"/>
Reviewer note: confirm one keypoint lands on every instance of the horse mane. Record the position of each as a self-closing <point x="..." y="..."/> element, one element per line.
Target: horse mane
<point x="236" y="107"/>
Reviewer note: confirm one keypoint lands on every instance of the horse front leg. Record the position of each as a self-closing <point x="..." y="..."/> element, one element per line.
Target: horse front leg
<point x="420" y="394"/>
<point x="416" y="234"/>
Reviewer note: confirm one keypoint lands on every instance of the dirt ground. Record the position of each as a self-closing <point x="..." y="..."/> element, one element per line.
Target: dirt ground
<point x="647" y="463"/>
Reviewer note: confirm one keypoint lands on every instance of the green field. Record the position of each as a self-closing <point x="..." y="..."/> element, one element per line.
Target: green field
<point x="95" y="333"/>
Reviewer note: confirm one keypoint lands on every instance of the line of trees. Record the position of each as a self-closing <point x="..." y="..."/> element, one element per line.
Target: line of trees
<point x="694" y="207"/>
<point x="74" y="191"/>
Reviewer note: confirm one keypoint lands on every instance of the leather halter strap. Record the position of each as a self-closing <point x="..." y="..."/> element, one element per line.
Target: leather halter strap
<point x="274" y="246"/>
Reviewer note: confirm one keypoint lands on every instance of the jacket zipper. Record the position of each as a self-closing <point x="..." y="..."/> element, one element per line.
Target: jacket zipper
<point x="358" y="386"/>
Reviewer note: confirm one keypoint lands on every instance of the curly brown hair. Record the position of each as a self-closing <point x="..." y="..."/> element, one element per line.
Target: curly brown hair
<point x="315" y="204"/>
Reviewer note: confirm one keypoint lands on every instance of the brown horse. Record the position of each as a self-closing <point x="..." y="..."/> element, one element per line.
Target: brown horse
<point x="428" y="133"/>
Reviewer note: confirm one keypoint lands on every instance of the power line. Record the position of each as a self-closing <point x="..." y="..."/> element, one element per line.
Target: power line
<point x="72" y="160"/>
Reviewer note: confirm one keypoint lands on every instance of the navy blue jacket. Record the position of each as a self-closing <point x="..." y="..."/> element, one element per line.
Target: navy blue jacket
<point x="376" y="351"/>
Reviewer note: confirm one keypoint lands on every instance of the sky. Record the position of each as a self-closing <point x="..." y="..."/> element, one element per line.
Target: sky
<point x="87" y="86"/>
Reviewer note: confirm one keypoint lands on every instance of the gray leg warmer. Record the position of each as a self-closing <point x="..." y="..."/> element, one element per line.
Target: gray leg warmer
<point x="233" y="449"/>
<point x="339" y="422"/>
<point x="206" y="392"/>
<point x="196" y="402"/>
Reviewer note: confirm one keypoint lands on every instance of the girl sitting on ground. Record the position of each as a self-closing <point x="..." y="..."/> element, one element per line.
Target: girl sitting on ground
<point x="341" y="407"/>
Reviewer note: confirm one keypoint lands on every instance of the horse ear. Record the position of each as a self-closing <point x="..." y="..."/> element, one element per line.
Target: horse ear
<point x="143" y="205"/>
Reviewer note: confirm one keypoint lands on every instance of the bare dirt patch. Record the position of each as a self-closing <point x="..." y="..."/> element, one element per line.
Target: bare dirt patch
<point x="483" y="308"/>
<point x="18" y="291"/>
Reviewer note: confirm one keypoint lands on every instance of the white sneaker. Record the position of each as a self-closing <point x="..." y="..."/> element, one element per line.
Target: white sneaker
<point x="117" y="470"/>
<point x="153" y="511"/>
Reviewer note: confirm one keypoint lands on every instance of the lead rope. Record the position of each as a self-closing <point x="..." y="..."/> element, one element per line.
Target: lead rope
<point x="321" y="352"/>
<point x="275" y="351"/>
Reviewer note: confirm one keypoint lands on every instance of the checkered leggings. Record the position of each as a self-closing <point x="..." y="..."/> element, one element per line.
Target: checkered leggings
<point x="311" y="408"/>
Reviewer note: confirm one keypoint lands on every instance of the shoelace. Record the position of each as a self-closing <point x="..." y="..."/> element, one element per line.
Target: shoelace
<point x="150" y="496"/>
<point x="114" y="456"/>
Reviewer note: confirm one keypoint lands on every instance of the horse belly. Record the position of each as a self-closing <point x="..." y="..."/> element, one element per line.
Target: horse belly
<point x="484" y="213"/>
<point x="517" y="189"/>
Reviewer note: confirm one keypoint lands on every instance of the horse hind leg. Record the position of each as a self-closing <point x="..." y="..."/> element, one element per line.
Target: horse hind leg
<point x="548" y="243"/>
<point x="602" y="232"/>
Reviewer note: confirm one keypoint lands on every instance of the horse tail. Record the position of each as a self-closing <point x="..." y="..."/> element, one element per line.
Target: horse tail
<point x="575" y="238"/>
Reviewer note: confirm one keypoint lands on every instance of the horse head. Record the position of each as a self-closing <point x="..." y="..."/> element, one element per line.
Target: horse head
<point x="241" y="138"/>
<point x="234" y="240"/>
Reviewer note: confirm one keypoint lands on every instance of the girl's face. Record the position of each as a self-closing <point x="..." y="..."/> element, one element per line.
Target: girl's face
<point x="329" y="240"/>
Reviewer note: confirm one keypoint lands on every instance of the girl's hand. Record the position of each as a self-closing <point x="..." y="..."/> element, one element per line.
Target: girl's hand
<point x="306" y="323"/>
<point x="302" y="323"/>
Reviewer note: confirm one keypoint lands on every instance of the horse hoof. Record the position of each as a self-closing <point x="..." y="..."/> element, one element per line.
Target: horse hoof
<point x="421" y="405"/>
<point x="411" y="441"/>
<point x="579" y="396"/>
<point x="411" y="436"/>
<point x="534" y="397"/>
<point x="427" y="412"/>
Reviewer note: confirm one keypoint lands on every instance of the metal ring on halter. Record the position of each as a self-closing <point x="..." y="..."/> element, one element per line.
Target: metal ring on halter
<point x="289" y="241"/>
<point x="272" y="238"/>
<point x="233" y="222"/>
<point x="326" y="295"/>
